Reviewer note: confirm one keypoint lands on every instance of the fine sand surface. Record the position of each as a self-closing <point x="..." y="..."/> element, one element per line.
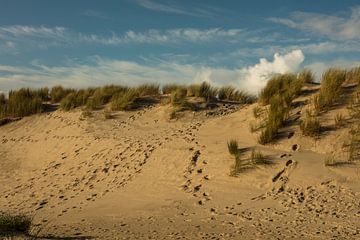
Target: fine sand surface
<point x="141" y="175"/>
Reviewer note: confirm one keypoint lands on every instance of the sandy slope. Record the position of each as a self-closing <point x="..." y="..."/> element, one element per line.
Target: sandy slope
<point x="141" y="175"/>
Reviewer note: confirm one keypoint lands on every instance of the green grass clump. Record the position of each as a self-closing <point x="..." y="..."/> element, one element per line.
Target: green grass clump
<point x="14" y="224"/>
<point x="353" y="75"/>
<point x="148" y="90"/>
<point x="232" y="94"/>
<point x="124" y="101"/>
<point x="277" y="114"/>
<point x="310" y="126"/>
<point x="233" y="147"/>
<point x="331" y="89"/>
<point x="68" y="102"/>
<point x="286" y="85"/>
<point x="22" y="102"/>
<point x="204" y="90"/>
<point x="226" y="93"/>
<point x="57" y="93"/>
<point x="306" y="76"/>
<point x="257" y="157"/>
<point x="103" y="95"/>
<point x="76" y="99"/>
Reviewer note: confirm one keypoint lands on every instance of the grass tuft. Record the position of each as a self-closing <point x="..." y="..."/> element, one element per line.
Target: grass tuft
<point x="14" y="224"/>
<point x="310" y="126"/>
<point x="233" y="147"/>
<point x="331" y="89"/>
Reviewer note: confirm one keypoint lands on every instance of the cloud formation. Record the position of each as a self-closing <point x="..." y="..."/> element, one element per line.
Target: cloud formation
<point x="106" y="71"/>
<point x="173" y="8"/>
<point x="334" y="27"/>
<point x="59" y="35"/>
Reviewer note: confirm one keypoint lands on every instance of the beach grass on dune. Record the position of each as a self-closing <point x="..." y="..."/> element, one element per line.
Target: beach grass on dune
<point x="11" y="224"/>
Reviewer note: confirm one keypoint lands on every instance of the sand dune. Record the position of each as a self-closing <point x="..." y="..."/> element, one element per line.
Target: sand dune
<point x="141" y="175"/>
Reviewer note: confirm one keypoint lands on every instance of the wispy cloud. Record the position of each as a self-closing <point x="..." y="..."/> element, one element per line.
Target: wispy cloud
<point x="171" y="7"/>
<point x="94" y="13"/>
<point x="167" y="36"/>
<point x="334" y="27"/>
<point x="106" y="71"/>
<point x="45" y="36"/>
<point x="31" y="31"/>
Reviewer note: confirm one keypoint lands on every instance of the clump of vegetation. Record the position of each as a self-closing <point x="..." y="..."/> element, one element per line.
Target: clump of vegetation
<point x="76" y="99"/>
<point x="330" y="160"/>
<point x="279" y="93"/>
<point x="306" y="76"/>
<point x="14" y="224"/>
<point x="339" y="120"/>
<point x="310" y="126"/>
<point x="353" y="75"/>
<point x="286" y="85"/>
<point x="277" y="114"/>
<point x="257" y="112"/>
<point x="124" y="101"/>
<point x="68" y="102"/>
<point x="178" y="100"/>
<point x="204" y="90"/>
<point x="22" y="102"/>
<point x="233" y="147"/>
<point x="103" y="95"/>
<point x="57" y="93"/>
<point x="148" y="90"/>
<point x="226" y="93"/>
<point x="331" y="89"/>
<point x="354" y="146"/>
<point x="257" y="157"/>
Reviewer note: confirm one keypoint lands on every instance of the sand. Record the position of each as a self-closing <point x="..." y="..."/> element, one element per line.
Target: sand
<point x="141" y="175"/>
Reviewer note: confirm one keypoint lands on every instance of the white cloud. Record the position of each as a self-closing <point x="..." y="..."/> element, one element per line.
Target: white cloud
<point x="172" y="8"/>
<point x="45" y="36"/>
<point x="334" y="27"/>
<point x="166" y="36"/>
<point x="31" y="31"/>
<point x="256" y="77"/>
<point x="105" y="71"/>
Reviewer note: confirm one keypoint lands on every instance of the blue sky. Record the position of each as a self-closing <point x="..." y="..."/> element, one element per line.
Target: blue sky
<point x="90" y="43"/>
